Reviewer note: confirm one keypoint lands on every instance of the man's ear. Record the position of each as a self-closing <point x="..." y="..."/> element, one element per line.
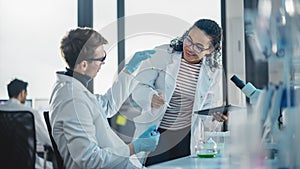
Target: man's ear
<point x="82" y="66"/>
<point x="22" y="93"/>
<point x="22" y="96"/>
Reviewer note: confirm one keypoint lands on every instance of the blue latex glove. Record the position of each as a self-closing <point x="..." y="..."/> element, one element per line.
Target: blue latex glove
<point x="136" y="60"/>
<point x="147" y="141"/>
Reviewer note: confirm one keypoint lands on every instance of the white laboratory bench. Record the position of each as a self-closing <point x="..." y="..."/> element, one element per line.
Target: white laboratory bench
<point x="209" y="163"/>
<point x="192" y="163"/>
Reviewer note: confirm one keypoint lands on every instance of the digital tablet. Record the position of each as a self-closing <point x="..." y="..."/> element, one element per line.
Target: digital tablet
<point x="221" y="109"/>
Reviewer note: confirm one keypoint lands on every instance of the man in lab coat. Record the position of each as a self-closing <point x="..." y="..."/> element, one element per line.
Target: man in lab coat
<point x="79" y="117"/>
<point x="17" y="92"/>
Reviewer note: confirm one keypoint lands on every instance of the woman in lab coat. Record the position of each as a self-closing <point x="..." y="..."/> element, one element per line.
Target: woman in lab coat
<point x="179" y="79"/>
<point x="79" y="118"/>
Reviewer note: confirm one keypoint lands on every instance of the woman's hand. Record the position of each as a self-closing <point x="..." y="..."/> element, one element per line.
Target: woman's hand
<point x="220" y="117"/>
<point x="157" y="100"/>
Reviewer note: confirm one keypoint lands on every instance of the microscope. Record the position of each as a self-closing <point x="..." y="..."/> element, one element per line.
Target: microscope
<point x="248" y="89"/>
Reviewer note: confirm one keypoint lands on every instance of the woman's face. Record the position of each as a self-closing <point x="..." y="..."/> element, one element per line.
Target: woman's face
<point x="196" y="46"/>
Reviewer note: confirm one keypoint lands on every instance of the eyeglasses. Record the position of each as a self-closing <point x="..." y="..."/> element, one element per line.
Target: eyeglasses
<point x="197" y="48"/>
<point x="101" y="59"/>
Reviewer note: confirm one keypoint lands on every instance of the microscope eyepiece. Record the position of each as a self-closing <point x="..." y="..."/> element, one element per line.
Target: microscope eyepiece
<point x="238" y="82"/>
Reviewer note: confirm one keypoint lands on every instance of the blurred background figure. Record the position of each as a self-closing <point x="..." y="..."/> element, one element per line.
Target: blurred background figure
<point x="17" y="92"/>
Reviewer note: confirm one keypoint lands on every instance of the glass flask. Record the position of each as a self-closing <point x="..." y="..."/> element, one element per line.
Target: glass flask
<point x="204" y="148"/>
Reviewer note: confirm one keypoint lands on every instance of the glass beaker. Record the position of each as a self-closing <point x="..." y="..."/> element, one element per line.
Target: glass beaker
<point x="204" y="148"/>
<point x="207" y="149"/>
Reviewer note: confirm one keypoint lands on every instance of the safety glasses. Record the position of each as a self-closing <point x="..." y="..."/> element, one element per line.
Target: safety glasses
<point x="101" y="59"/>
<point x="197" y="48"/>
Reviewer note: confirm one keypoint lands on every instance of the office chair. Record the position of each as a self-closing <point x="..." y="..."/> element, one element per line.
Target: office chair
<point x="18" y="140"/>
<point x="59" y="161"/>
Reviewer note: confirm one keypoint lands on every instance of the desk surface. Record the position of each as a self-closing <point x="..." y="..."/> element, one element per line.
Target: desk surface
<point x="192" y="163"/>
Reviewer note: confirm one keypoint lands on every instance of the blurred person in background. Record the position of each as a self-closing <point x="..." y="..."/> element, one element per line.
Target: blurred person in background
<point x="17" y="92"/>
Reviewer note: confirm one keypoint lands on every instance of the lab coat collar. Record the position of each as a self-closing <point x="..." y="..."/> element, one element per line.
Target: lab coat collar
<point x="14" y="101"/>
<point x="174" y="63"/>
<point x="63" y="78"/>
<point x="84" y="79"/>
<point x="210" y="74"/>
<point x="178" y="56"/>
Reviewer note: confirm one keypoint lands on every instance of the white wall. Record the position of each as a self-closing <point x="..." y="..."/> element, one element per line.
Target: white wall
<point x="138" y="37"/>
<point x="30" y="33"/>
<point x="31" y="30"/>
<point x="235" y="50"/>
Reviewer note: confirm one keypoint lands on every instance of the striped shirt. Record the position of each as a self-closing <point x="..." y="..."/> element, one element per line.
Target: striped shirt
<point x="179" y="114"/>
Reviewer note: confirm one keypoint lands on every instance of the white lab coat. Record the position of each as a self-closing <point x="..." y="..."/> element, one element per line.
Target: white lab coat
<point x="159" y="73"/>
<point x="42" y="136"/>
<point x="80" y="126"/>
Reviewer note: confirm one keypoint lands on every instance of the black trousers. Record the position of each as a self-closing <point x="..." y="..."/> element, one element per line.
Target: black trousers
<point x="171" y="145"/>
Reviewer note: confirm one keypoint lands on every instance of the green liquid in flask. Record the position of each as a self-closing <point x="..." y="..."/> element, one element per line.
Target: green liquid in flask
<point x="206" y="155"/>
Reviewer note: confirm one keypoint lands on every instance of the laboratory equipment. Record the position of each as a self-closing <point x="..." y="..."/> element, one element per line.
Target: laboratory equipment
<point x="204" y="148"/>
<point x="154" y="132"/>
<point x="207" y="149"/>
<point x="248" y="89"/>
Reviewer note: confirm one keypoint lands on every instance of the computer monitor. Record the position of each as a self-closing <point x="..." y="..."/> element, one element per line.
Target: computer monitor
<point x="2" y="101"/>
<point x="28" y="102"/>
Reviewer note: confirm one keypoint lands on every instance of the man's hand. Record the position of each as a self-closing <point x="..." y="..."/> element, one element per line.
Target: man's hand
<point x="136" y="60"/>
<point x="146" y="141"/>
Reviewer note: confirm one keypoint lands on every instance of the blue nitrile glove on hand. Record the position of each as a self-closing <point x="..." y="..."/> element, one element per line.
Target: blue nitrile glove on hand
<point x="148" y="141"/>
<point x="136" y="60"/>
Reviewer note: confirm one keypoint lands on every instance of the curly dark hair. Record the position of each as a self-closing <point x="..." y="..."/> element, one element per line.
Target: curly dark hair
<point x="212" y="29"/>
<point x="79" y="44"/>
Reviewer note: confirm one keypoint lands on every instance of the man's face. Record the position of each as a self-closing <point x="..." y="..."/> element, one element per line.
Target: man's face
<point x="23" y="96"/>
<point x="94" y="64"/>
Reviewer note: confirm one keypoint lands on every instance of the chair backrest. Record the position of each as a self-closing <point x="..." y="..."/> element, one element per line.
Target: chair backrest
<point x="18" y="140"/>
<point x="59" y="160"/>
